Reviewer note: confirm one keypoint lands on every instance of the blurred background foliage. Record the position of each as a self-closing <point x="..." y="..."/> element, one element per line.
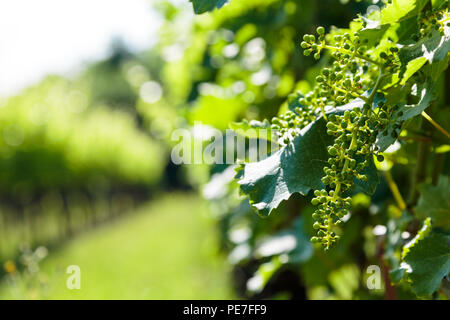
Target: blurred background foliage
<point x="78" y="151"/>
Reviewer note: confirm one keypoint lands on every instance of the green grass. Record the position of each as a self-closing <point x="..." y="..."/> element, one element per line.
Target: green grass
<point x="166" y="250"/>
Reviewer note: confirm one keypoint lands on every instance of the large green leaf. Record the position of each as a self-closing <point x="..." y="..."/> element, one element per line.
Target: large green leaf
<point x="428" y="262"/>
<point x="201" y="6"/>
<point x="296" y="167"/>
<point x="434" y="202"/>
<point x="412" y="67"/>
<point x="425" y="94"/>
<point x="434" y="48"/>
<point x="437" y="3"/>
<point x="373" y="32"/>
<point x="399" y="10"/>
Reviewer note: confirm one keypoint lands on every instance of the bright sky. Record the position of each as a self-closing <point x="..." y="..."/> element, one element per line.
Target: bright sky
<point x="55" y="36"/>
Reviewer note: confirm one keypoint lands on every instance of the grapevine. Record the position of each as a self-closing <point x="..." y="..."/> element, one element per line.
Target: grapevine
<point x="361" y="169"/>
<point x="354" y="73"/>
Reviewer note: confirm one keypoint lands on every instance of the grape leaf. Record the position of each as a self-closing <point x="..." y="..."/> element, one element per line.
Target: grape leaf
<point x="399" y="10"/>
<point x="288" y="246"/>
<point x="201" y="6"/>
<point x="296" y="167"/>
<point x="412" y="67"/>
<point x="396" y="275"/>
<point x="438" y="3"/>
<point x="425" y="93"/>
<point x="373" y="32"/>
<point x="433" y="48"/>
<point x="263" y="274"/>
<point x="423" y="232"/>
<point x="428" y="262"/>
<point x="294" y="242"/>
<point x="434" y="202"/>
<point x="370" y="185"/>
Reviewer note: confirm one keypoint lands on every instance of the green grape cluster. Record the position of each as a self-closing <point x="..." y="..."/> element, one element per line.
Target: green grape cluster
<point x="433" y="20"/>
<point x="290" y="123"/>
<point x="353" y="72"/>
<point x="355" y="134"/>
<point x="386" y="117"/>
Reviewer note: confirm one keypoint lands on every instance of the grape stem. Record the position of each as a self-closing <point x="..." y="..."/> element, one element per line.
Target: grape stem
<point x="435" y="124"/>
<point x="375" y="87"/>
<point x="394" y="189"/>
<point x="354" y="94"/>
<point x="357" y="55"/>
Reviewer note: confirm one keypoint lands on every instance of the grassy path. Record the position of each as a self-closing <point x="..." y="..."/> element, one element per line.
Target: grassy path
<point x="166" y="250"/>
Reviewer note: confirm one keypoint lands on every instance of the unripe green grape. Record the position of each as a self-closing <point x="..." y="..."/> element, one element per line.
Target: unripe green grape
<point x="316" y="225"/>
<point x="331" y="126"/>
<point x="394" y="49"/>
<point x="275" y="126"/>
<point x="332" y="151"/>
<point x="352" y="163"/>
<point x="315" y="240"/>
<point x="325" y="180"/>
<point x="304" y="44"/>
<point x="320" y="30"/>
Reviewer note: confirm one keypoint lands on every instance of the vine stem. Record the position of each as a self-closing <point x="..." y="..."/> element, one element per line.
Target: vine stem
<point x="435" y="124"/>
<point x="326" y="46"/>
<point x="394" y="189"/>
<point x="420" y="172"/>
<point x="424" y="139"/>
<point x="375" y="87"/>
<point x="390" y="292"/>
